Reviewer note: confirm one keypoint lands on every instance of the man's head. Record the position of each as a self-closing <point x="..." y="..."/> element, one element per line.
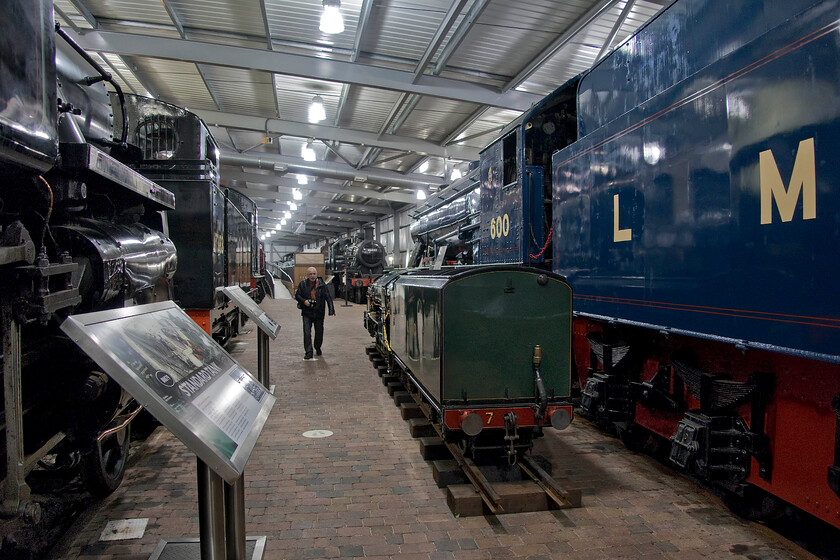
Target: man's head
<point x="311" y="274"/>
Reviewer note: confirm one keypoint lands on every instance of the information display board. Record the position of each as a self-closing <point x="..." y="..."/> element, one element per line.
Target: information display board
<point x="181" y="375"/>
<point x="268" y="325"/>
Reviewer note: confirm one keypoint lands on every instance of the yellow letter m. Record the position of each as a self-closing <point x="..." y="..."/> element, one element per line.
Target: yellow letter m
<point x="803" y="178"/>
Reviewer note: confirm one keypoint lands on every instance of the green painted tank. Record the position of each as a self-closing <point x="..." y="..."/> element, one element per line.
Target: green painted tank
<point x="468" y="335"/>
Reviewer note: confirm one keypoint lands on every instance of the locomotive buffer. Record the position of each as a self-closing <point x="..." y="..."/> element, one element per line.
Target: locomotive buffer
<point x="540" y="492"/>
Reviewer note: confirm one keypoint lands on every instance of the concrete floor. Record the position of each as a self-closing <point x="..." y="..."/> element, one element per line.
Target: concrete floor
<point x="366" y="492"/>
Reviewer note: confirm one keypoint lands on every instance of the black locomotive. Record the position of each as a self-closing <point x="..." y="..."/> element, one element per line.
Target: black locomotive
<point x="356" y="264"/>
<point x="85" y="224"/>
<point x="214" y="228"/>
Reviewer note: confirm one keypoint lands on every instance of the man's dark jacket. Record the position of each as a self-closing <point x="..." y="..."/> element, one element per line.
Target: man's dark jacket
<point x="322" y="299"/>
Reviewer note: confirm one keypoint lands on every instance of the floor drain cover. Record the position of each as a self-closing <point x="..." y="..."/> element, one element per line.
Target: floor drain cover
<point x="317" y="433"/>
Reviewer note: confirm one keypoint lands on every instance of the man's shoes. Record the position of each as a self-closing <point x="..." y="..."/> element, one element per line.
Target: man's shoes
<point x="318" y="351"/>
<point x="307" y="356"/>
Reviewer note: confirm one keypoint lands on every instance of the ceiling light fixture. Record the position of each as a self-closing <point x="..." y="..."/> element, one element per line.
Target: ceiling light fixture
<point x="276" y="226"/>
<point x="287" y="215"/>
<point x="283" y="222"/>
<point x="331" y="20"/>
<point x="296" y="194"/>
<point x="307" y="151"/>
<point x="316" y="110"/>
<point x="423" y="167"/>
<point x="456" y="174"/>
<point x="421" y="194"/>
<point x="292" y="206"/>
<point x="302" y="180"/>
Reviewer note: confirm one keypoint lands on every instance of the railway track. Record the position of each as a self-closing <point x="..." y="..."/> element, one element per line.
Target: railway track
<point x="536" y="491"/>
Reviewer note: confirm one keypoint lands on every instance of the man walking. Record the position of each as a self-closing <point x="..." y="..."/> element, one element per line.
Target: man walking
<point x="313" y="298"/>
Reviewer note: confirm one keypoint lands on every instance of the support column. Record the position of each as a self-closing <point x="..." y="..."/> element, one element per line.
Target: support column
<point x="235" y="518"/>
<point x="211" y="513"/>
<point x="263" y="375"/>
<point x="396" y="244"/>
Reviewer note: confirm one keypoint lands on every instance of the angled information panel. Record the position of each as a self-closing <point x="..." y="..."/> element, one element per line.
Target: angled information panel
<point x="186" y="380"/>
<point x="268" y="325"/>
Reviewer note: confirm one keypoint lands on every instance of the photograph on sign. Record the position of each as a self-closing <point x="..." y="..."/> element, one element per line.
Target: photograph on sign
<point x="268" y="325"/>
<point x="182" y="376"/>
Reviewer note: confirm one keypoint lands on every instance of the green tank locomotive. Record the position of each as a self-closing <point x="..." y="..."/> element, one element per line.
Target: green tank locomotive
<point x="486" y="348"/>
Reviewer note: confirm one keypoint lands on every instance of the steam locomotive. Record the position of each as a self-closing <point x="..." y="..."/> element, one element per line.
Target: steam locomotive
<point x="85" y="224"/>
<point x="686" y="188"/>
<point x="487" y="349"/>
<point x="214" y="228"/>
<point x="356" y="264"/>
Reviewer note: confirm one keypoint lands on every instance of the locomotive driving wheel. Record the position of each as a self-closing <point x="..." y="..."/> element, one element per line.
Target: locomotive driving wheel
<point x="105" y="448"/>
<point x="103" y="462"/>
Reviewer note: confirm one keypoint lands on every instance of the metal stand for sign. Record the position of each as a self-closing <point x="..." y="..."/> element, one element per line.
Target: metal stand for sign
<point x="160" y="356"/>
<point x="267" y="327"/>
<point x="346" y="291"/>
<point x="221" y="524"/>
<point x="263" y="375"/>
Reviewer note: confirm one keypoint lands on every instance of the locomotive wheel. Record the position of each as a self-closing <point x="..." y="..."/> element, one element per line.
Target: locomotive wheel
<point x="755" y="505"/>
<point x="103" y="465"/>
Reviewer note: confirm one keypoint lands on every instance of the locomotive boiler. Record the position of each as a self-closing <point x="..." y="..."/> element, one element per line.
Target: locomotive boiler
<point x="450" y="223"/>
<point x="486" y="348"/>
<point x="81" y="231"/>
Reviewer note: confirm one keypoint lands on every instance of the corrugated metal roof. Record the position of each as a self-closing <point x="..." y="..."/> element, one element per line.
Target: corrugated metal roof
<point x="403" y="27"/>
<point x="509" y="34"/>
<point x="125" y="10"/>
<point x="243" y="18"/>
<point x="252" y="68"/>
<point x="240" y="91"/>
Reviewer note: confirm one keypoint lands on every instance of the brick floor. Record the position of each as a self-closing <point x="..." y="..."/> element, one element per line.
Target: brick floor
<point x="365" y="492"/>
